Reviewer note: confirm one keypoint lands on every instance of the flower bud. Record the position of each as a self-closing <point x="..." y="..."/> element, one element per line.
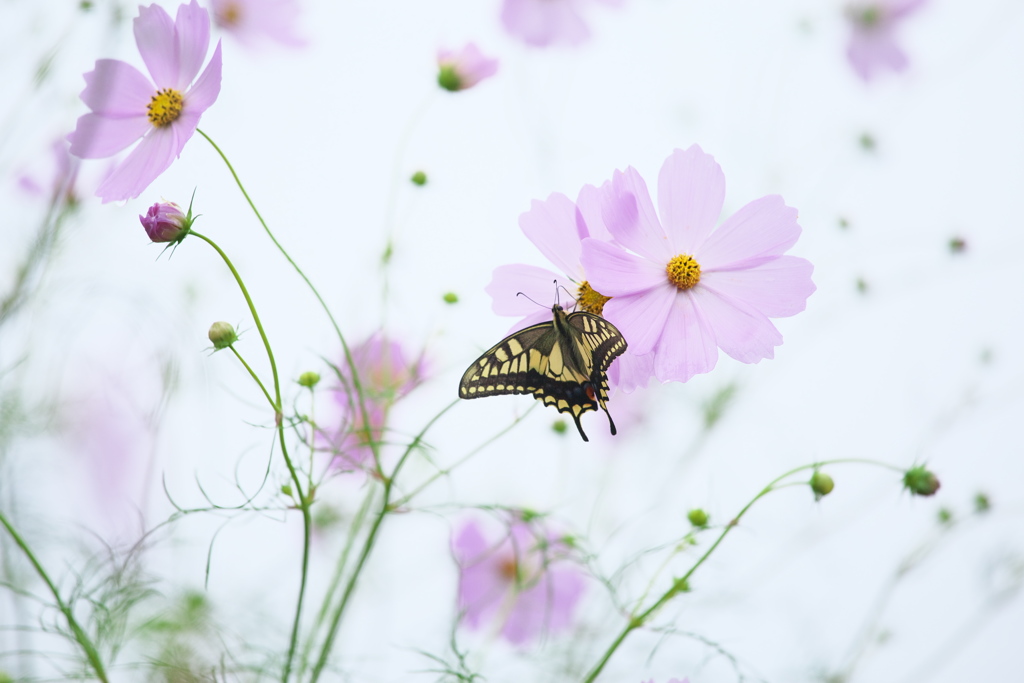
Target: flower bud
<point x="451" y="298"/>
<point x="222" y="335"/>
<point x="821" y="484"/>
<point x="164" y="222"/>
<point x="419" y="178"/>
<point x="463" y="69"/>
<point x="559" y="427"/>
<point x="920" y="481"/>
<point x="981" y="502"/>
<point x="945" y="515"/>
<point x="309" y="379"/>
<point x="286" y="489"/>
<point x="698" y="518"/>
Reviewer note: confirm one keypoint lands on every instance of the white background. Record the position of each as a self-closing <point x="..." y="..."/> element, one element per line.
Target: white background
<point x="923" y="364"/>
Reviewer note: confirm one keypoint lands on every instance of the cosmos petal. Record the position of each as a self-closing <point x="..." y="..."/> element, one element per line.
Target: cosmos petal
<point x="96" y="136"/>
<point x="628" y="212"/>
<point x="741" y="330"/>
<point x="142" y="166"/>
<point x="588" y="207"/>
<point x="117" y="89"/>
<point x="538" y="284"/>
<point x="192" y="33"/>
<point x="765" y="227"/>
<point x="687" y="346"/>
<point x="154" y="36"/>
<point x="551" y="226"/>
<point x="777" y="288"/>
<point x="691" y="192"/>
<point x="615" y="272"/>
<point x="205" y="91"/>
<point x="641" y="317"/>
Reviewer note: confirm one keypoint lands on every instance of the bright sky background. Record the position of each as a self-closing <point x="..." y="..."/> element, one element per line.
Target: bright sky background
<point x="921" y="364"/>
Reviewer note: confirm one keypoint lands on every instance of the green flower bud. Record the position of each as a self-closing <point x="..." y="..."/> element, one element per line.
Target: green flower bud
<point x="920" y="481"/>
<point x="945" y="515"/>
<point x="419" y="178"/>
<point x="309" y="379"/>
<point x="286" y="489"/>
<point x="698" y="518"/>
<point x="821" y="484"/>
<point x="451" y="298"/>
<point x="981" y="502"/>
<point x="222" y="335"/>
<point x="559" y="427"/>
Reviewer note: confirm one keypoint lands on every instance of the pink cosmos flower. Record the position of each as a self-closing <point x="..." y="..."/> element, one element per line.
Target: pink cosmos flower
<point x="681" y="289"/>
<point x="872" y="46"/>
<point x="386" y="375"/>
<point x="547" y="22"/>
<point x="255" y="21"/>
<point x="524" y="580"/>
<point x="164" y="112"/>
<point x="463" y="69"/>
<point x="60" y="186"/>
<point x="557" y="228"/>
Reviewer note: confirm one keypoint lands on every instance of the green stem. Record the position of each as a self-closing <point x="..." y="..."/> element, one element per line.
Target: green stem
<point x="385" y="508"/>
<point x="253" y="374"/>
<point x="304" y="501"/>
<point x="679" y="585"/>
<point x="374" y="447"/>
<point x="80" y="635"/>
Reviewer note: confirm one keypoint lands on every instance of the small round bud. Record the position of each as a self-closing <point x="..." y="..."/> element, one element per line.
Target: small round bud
<point x="981" y="502"/>
<point x="419" y="178"/>
<point x="222" y="335"/>
<point x="309" y="379"/>
<point x="165" y="222"/>
<point x="945" y="515"/>
<point x="559" y="427"/>
<point x="451" y="298"/>
<point x="698" y="518"/>
<point x="957" y="245"/>
<point x="286" y="489"/>
<point x="920" y="481"/>
<point x="821" y="484"/>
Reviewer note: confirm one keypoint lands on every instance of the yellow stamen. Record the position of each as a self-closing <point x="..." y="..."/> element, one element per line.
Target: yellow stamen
<point x="229" y="16"/>
<point x="165" y="107"/>
<point x="591" y="300"/>
<point x="683" y="271"/>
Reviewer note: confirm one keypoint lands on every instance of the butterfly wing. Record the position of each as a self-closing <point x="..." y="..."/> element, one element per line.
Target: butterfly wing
<point x="562" y="363"/>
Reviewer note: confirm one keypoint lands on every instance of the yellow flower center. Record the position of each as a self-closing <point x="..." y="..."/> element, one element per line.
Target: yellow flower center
<point x="591" y="300"/>
<point x="683" y="271"/>
<point x="229" y="15"/>
<point x="164" y="107"/>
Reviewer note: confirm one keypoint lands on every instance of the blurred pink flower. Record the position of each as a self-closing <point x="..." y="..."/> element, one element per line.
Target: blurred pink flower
<point x="385" y="375"/>
<point x="684" y="289"/>
<point x="126" y="106"/>
<point x="257" y="21"/>
<point x="872" y="46"/>
<point x="526" y="580"/>
<point x="548" y="22"/>
<point x="59" y="183"/>
<point x="463" y="69"/>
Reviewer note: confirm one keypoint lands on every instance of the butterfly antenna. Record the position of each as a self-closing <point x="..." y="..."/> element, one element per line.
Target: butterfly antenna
<point x="523" y="294"/>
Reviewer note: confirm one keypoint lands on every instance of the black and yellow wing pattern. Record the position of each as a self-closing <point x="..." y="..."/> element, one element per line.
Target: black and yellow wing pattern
<point x="563" y="363"/>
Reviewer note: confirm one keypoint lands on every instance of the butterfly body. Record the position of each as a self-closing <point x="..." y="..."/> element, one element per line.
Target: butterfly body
<point x="563" y="363"/>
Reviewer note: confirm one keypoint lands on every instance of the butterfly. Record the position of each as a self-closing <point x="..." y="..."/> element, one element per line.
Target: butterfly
<point x="562" y="363"/>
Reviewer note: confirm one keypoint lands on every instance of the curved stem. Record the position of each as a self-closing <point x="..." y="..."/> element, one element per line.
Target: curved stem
<point x="304" y="500"/>
<point x="680" y="585"/>
<point x="385" y="508"/>
<point x="252" y="373"/>
<point x="374" y="447"/>
<point x="91" y="653"/>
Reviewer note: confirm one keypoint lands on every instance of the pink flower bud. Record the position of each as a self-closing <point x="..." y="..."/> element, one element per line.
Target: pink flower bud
<point x="463" y="69"/>
<point x="164" y="222"/>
